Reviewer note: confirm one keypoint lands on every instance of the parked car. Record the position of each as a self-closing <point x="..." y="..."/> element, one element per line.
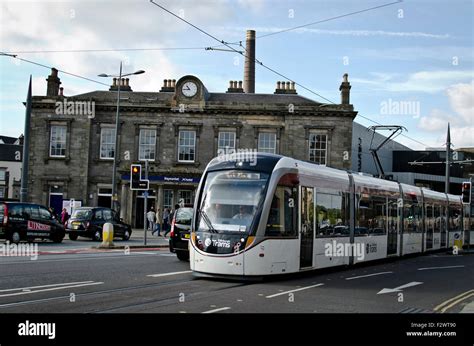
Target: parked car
<point x="28" y="221"/>
<point x="89" y="221"/>
<point x="180" y="233"/>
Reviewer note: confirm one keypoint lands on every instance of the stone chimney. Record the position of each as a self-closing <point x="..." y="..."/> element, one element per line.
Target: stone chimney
<point x="285" y="88"/>
<point x="124" y="84"/>
<point x="53" y="83"/>
<point x="169" y="85"/>
<point x="235" y="87"/>
<point x="249" y="67"/>
<point x="345" y="89"/>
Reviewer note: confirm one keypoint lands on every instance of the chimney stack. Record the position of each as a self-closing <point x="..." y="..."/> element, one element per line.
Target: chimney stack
<point x="345" y="90"/>
<point x="235" y="87"/>
<point x="283" y="87"/>
<point x="124" y="84"/>
<point x="53" y="83"/>
<point x="249" y="68"/>
<point x="169" y="85"/>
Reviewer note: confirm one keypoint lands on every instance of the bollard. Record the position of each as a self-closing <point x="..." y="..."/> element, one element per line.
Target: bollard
<point x="107" y="236"/>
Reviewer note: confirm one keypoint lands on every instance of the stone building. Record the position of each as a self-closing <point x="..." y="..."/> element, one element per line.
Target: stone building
<point x="178" y="130"/>
<point x="11" y="152"/>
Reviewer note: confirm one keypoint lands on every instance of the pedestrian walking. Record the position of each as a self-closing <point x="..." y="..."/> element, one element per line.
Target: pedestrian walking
<point x="64" y="217"/>
<point x="157" y="228"/>
<point x="151" y="216"/>
<point x="170" y="219"/>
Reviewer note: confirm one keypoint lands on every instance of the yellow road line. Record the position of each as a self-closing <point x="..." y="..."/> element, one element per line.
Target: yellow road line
<point x="453" y="301"/>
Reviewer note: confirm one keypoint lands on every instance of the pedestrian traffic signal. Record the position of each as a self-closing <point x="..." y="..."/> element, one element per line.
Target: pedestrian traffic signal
<point x="136" y="182"/>
<point x="466" y="192"/>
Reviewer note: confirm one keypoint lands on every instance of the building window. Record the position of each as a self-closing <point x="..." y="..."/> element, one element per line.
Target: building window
<point x="187" y="146"/>
<point x="267" y="142"/>
<point x="318" y="148"/>
<point x="2" y="192"/>
<point x="107" y="143"/>
<point x="2" y="175"/>
<point x="186" y="196"/>
<point x="167" y="198"/>
<point x="57" y="142"/>
<point x="225" y="142"/>
<point x="147" y="145"/>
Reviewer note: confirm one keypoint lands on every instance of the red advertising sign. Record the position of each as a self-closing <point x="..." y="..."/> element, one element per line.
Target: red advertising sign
<point x="35" y="226"/>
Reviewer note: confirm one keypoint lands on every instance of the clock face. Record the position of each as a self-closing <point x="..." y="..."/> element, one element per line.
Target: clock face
<point x="189" y="89"/>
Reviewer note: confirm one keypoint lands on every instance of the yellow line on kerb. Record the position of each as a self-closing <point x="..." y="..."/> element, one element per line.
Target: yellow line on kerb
<point x="448" y="304"/>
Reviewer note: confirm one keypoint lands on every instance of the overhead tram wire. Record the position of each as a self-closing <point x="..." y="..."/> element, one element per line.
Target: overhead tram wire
<point x="321" y="21"/>
<point x="236" y="51"/>
<point x="200" y="48"/>
<point x="50" y="67"/>
<point x="104" y="50"/>
<point x="267" y="67"/>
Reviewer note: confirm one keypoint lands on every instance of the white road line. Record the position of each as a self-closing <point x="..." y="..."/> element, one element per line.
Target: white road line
<point x="168" y="274"/>
<point x="446" y="267"/>
<point x="216" y="310"/>
<point x="72" y="259"/>
<point x="296" y="290"/>
<point x="365" y="276"/>
<point x="43" y="286"/>
<point x="50" y="289"/>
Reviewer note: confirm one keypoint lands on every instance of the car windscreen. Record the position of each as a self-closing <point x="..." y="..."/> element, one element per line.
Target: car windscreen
<point x="81" y="214"/>
<point x="184" y="216"/>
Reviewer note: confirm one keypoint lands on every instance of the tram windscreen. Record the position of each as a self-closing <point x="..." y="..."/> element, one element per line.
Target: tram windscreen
<point x="230" y="201"/>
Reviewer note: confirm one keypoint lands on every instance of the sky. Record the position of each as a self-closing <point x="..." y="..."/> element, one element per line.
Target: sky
<point x="410" y="63"/>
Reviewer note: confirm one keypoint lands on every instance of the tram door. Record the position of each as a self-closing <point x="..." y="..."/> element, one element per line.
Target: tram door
<point x="392" y="241"/>
<point x="307" y="227"/>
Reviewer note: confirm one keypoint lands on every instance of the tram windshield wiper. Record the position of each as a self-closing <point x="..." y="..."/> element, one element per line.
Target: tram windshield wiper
<point x="208" y="222"/>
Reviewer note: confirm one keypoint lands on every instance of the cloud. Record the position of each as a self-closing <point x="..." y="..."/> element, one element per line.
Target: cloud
<point x="422" y="81"/>
<point x="357" y="33"/>
<point x="461" y="100"/>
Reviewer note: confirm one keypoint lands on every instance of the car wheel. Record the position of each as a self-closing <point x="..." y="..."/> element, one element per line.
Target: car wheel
<point x="182" y="255"/>
<point x="97" y="236"/>
<point x="15" y="237"/>
<point x="126" y="235"/>
<point x="73" y="236"/>
<point x="58" y="239"/>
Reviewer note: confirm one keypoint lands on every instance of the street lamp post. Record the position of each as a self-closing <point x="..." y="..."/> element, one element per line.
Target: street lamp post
<point x="117" y="121"/>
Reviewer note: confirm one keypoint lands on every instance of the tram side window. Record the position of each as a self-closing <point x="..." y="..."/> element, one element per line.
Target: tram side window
<point x="429" y="218"/>
<point x="371" y="216"/>
<point x="332" y="214"/>
<point x="437" y="217"/>
<point x="454" y="221"/>
<point x="412" y="217"/>
<point x="283" y="217"/>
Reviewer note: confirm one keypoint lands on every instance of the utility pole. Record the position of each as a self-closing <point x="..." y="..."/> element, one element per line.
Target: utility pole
<point x="26" y="144"/>
<point x="448" y="154"/>
<point x="145" y="193"/>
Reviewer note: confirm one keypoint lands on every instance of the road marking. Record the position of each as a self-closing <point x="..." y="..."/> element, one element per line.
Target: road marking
<point x="446" y="267"/>
<point x="399" y="288"/>
<point x="448" y="304"/>
<point x="216" y="310"/>
<point x="169" y="274"/>
<point x="291" y="291"/>
<point x="71" y="259"/>
<point x="365" y="276"/>
<point x="43" y="286"/>
<point x="51" y="289"/>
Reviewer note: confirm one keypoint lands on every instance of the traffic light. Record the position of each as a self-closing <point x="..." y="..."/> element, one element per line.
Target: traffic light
<point x="135" y="176"/>
<point x="466" y="192"/>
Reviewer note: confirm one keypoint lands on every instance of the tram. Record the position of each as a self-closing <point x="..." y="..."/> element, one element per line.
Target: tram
<point x="275" y="215"/>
